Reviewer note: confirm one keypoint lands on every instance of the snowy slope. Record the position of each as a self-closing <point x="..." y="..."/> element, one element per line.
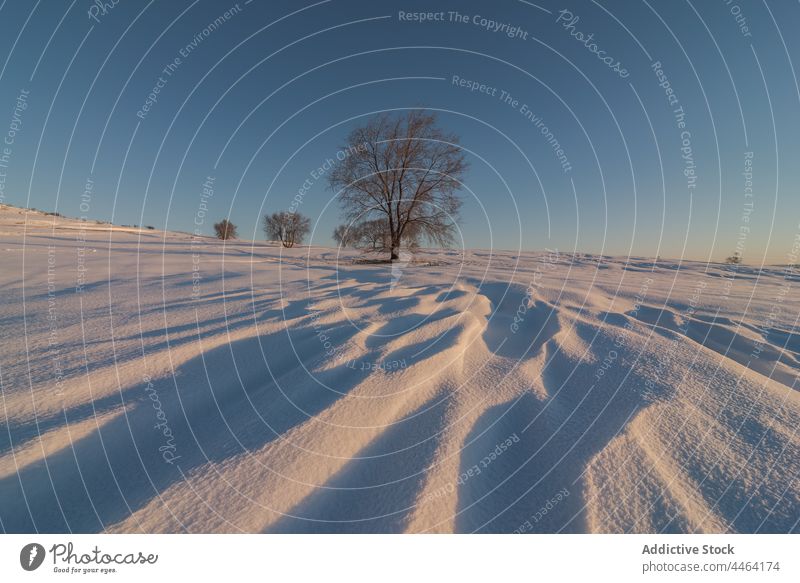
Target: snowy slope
<point x="152" y="383"/>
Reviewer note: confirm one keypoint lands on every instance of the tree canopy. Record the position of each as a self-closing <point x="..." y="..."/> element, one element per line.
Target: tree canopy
<point x="405" y="170"/>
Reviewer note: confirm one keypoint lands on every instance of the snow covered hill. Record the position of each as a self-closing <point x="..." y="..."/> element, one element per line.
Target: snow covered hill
<point x="152" y="382"/>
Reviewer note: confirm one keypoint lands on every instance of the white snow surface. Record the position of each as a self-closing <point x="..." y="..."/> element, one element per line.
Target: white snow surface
<point x="156" y="383"/>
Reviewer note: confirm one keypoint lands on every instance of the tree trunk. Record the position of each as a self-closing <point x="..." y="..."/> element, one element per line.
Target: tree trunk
<point x="395" y="252"/>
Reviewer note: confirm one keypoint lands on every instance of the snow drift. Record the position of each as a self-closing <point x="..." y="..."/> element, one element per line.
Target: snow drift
<point x="156" y="383"/>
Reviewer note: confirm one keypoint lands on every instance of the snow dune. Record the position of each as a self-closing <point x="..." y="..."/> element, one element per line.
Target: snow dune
<point x="251" y="388"/>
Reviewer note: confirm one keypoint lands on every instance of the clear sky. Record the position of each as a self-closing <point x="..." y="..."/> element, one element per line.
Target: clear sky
<point x="574" y="142"/>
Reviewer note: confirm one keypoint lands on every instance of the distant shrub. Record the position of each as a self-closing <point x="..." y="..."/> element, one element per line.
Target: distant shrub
<point x="225" y="230"/>
<point x="288" y="227"/>
<point x="346" y="235"/>
<point x="734" y="259"/>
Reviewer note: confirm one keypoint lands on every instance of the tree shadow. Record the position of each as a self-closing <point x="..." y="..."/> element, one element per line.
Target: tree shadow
<point x="375" y="491"/>
<point x="104" y="477"/>
<point x="535" y="484"/>
<point x="518" y="326"/>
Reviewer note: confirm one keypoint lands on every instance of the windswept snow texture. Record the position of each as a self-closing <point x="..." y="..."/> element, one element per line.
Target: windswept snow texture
<point x="155" y="384"/>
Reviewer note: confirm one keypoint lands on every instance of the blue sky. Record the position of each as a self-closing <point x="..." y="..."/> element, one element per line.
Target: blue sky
<point x="264" y="97"/>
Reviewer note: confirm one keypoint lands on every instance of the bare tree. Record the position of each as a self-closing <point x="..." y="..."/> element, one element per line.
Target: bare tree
<point x="405" y="170"/>
<point x="225" y="230"/>
<point x="347" y="235"/>
<point x="289" y="228"/>
<point x="734" y="259"/>
<point x="374" y="234"/>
